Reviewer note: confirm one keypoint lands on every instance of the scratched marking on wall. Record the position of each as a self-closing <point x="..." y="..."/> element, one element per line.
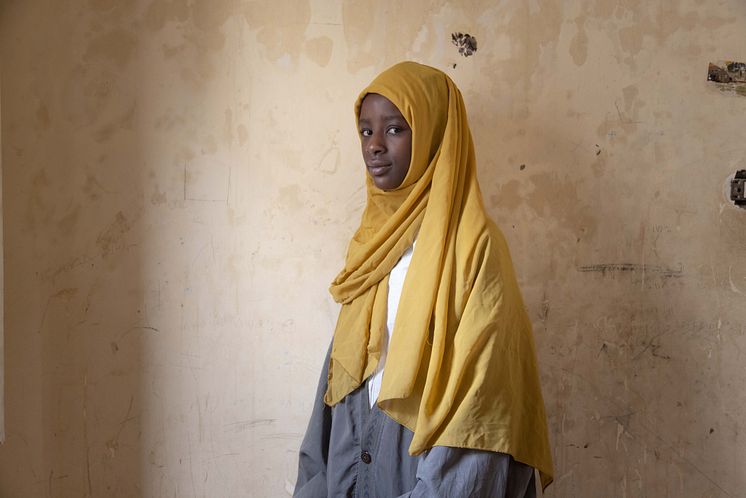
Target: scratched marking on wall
<point x="729" y="76"/>
<point x="605" y="268"/>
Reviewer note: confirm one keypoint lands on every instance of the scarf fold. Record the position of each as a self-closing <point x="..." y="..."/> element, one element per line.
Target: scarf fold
<point x="461" y="368"/>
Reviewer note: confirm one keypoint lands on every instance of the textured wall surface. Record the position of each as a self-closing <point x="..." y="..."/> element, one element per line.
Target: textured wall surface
<point x="181" y="178"/>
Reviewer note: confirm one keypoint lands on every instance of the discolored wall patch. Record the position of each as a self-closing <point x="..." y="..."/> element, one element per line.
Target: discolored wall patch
<point x="319" y="50"/>
<point x="579" y="43"/>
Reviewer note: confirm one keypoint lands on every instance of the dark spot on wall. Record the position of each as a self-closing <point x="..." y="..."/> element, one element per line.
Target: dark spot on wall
<point x="467" y="44"/>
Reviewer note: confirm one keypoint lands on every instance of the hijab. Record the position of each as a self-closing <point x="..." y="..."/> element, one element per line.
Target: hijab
<point x="461" y="368"/>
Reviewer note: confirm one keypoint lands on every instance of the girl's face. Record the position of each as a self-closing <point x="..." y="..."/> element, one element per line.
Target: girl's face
<point x="386" y="141"/>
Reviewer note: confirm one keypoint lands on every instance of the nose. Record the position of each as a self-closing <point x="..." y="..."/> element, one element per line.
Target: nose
<point x="376" y="145"/>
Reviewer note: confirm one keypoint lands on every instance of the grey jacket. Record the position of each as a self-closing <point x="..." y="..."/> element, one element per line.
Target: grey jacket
<point x="354" y="451"/>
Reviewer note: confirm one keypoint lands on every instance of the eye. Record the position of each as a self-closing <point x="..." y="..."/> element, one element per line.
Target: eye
<point x="394" y="130"/>
<point x="366" y="132"/>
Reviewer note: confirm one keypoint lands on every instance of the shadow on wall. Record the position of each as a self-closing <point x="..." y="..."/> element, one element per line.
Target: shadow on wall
<point x="73" y="199"/>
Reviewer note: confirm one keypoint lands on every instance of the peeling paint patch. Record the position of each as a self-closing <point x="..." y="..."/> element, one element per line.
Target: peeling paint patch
<point x="729" y="76"/>
<point x="727" y="72"/>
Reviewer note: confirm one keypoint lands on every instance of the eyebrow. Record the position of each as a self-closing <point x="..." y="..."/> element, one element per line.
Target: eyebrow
<point x="385" y="118"/>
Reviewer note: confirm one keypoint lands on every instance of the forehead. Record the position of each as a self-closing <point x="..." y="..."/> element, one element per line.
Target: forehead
<point x="377" y="106"/>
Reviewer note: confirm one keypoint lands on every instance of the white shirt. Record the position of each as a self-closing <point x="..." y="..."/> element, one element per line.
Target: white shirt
<point x="396" y="282"/>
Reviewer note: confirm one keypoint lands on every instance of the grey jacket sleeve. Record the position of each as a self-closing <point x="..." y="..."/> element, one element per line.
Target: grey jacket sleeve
<point x="460" y="473"/>
<point x="314" y="450"/>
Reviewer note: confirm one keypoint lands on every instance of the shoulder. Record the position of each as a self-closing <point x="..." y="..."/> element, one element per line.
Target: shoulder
<point x="482" y="243"/>
<point x="485" y="265"/>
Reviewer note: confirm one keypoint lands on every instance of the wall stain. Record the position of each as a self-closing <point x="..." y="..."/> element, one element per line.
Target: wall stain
<point x="92" y="188"/>
<point x="289" y="199"/>
<point x="319" y="50"/>
<point x="557" y="199"/>
<point x="107" y="6"/>
<point x="508" y="196"/>
<point x="38" y="208"/>
<point x="280" y="26"/>
<point x="50" y="275"/>
<point x="161" y="12"/>
<point x="69" y="220"/>
<point x="42" y="117"/>
<point x="111" y="238"/>
<point x="579" y="43"/>
<point x="115" y="47"/>
<point x="171" y="51"/>
<point x="169" y="120"/>
<point x="123" y="122"/>
<point x="372" y="39"/>
<point x="630" y="39"/>
<point x="97" y="91"/>
<point x="534" y="30"/>
<point x="659" y="23"/>
<point x="243" y="134"/>
<point x="158" y="198"/>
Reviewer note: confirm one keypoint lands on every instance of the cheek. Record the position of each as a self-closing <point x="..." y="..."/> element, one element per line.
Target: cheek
<point x="363" y="146"/>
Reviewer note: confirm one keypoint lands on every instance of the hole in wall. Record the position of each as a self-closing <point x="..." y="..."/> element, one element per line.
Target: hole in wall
<point x="737" y="188"/>
<point x="467" y="44"/>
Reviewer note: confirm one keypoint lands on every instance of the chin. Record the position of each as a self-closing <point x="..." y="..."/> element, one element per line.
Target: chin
<point x="384" y="186"/>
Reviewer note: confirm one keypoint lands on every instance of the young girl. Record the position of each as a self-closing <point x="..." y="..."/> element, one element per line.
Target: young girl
<point x="430" y="387"/>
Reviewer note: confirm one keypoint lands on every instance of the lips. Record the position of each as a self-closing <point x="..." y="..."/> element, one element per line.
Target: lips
<point x="378" y="168"/>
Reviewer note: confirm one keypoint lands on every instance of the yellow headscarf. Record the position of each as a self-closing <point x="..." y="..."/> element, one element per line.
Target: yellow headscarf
<point x="461" y="367"/>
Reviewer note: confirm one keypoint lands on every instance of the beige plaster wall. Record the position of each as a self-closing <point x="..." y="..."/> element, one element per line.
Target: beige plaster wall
<point x="2" y="267"/>
<point x="181" y="178"/>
